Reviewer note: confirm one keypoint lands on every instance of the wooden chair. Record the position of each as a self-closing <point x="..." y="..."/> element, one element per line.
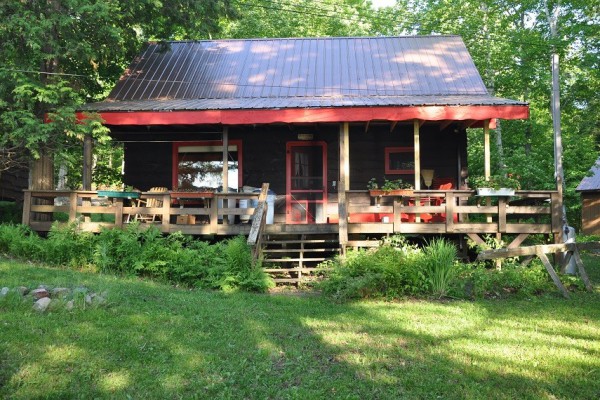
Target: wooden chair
<point x="438" y="201"/>
<point x="150" y="202"/>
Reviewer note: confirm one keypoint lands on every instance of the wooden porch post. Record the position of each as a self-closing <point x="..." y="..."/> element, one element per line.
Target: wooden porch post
<point x="87" y="162"/>
<point x="417" y="145"/>
<point x="344" y="180"/>
<point x="417" y="154"/>
<point x="225" y="169"/>
<point x="486" y="149"/>
<point x="346" y="129"/>
<point x="487" y="166"/>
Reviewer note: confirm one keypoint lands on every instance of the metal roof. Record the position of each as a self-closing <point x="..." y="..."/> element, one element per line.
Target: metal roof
<point x="592" y="182"/>
<point x="300" y="73"/>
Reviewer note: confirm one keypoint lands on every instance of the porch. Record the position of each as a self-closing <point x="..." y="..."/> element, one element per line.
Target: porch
<point x="227" y="214"/>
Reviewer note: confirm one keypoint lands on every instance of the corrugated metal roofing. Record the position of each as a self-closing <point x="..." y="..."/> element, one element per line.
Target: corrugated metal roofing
<point x="591" y="182"/>
<point x="298" y="73"/>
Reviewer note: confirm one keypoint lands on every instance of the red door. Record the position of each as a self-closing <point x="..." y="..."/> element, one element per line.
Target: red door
<point x="306" y="188"/>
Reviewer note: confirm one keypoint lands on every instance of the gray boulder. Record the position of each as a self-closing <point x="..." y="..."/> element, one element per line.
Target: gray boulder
<point x="42" y="304"/>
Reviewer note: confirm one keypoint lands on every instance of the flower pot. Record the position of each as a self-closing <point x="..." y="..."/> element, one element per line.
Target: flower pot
<point x="495" y="192"/>
<point x="395" y="192"/>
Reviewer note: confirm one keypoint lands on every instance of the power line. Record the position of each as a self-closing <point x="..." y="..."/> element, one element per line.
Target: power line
<point x="44" y="73"/>
<point x="302" y="10"/>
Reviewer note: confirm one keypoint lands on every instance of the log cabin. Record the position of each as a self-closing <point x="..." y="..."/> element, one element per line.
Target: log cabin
<point x="317" y="119"/>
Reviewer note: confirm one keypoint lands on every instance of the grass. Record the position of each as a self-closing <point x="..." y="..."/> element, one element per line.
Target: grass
<point x="153" y="341"/>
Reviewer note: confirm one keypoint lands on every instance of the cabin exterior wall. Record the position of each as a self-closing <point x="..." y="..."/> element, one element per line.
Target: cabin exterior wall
<point x="149" y="155"/>
<point x="590" y="213"/>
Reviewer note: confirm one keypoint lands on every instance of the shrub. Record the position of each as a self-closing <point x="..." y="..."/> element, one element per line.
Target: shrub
<point x="10" y="212"/>
<point x="391" y="271"/>
<point x="174" y="258"/>
<point x="67" y="246"/>
<point x="477" y="281"/>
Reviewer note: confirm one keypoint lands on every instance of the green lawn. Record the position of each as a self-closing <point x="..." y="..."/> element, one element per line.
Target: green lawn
<point x="154" y="341"/>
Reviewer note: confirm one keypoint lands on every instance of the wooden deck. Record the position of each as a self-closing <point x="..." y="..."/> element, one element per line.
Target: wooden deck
<point x="424" y="212"/>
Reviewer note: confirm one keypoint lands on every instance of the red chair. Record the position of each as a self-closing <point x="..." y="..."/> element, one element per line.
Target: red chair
<point x="438" y="201"/>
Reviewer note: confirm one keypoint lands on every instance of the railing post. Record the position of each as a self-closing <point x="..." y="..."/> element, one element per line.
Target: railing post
<point x="214" y="213"/>
<point x="119" y="212"/>
<point x="397" y="213"/>
<point x="166" y="213"/>
<point x="26" y="207"/>
<point x="450" y="203"/>
<point x="502" y="204"/>
<point x="72" y="206"/>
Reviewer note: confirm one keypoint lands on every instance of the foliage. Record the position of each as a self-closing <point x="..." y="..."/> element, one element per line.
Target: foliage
<point x="479" y="281"/>
<point x="10" y="212"/>
<point x="142" y="252"/>
<point x="59" y="54"/>
<point x="391" y="271"/>
<point x="439" y="271"/>
<point x="495" y="182"/>
<point x="389" y="184"/>
<point x="300" y="18"/>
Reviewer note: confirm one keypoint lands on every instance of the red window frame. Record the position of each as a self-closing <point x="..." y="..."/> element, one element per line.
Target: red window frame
<point x="393" y="150"/>
<point x="177" y="145"/>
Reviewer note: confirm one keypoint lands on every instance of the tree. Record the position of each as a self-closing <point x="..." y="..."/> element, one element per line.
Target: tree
<point x="58" y="54"/>
<point x="300" y="18"/>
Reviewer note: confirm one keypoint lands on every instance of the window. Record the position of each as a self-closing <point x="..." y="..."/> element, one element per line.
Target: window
<point x="399" y="160"/>
<point x="199" y="166"/>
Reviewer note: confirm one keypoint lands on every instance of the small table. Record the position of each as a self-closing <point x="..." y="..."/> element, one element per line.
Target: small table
<point x="117" y="198"/>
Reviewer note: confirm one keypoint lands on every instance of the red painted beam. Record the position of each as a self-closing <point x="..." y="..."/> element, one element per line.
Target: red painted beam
<point x="308" y="115"/>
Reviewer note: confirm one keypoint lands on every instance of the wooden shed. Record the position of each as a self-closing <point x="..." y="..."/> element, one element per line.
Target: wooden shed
<point x="589" y="189"/>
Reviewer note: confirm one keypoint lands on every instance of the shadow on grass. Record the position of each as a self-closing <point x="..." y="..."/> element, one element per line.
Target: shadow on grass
<point x="152" y="341"/>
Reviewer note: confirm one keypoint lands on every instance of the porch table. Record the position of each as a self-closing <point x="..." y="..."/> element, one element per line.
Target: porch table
<point x="181" y="197"/>
<point x="117" y="198"/>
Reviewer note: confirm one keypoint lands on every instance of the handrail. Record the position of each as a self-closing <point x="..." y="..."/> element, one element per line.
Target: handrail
<point x="258" y="222"/>
<point x="451" y="211"/>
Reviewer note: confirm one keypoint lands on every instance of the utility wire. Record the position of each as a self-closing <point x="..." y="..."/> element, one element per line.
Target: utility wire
<point x="44" y="73"/>
<point x="302" y="10"/>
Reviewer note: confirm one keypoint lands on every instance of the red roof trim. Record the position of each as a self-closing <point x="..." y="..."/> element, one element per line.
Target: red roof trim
<point x="308" y="115"/>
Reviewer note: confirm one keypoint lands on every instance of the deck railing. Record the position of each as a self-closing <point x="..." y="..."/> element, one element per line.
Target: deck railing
<point x="189" y="212"/>
<point x="424" y="212"/>
<point x="454" y="211"/>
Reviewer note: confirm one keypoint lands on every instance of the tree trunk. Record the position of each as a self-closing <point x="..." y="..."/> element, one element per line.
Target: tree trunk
<point x="42" y="178"/>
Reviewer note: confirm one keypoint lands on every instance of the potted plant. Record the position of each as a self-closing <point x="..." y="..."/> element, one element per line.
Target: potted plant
<point x="396" y="187"/>
<point x="496" y="185"/>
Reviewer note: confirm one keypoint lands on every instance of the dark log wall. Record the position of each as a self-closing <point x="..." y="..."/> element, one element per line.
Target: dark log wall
<point x="149" y="164"/>
<point x="440" y="151"/>
<point x="264" y="152"/>
<point x="12" y="184"/>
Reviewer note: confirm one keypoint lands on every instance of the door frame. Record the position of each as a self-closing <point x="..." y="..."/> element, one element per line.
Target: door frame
<point x="288" y="181"/>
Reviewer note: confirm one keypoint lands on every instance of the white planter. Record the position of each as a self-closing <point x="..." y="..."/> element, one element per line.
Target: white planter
<point x="495" y="192"/>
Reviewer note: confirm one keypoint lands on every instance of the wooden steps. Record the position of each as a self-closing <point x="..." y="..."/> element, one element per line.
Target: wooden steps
<point x="295" y="257"/>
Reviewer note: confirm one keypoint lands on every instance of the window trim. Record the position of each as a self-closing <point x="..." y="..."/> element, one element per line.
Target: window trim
<point x="175" y="157"/>
<point x="394" y="150"/>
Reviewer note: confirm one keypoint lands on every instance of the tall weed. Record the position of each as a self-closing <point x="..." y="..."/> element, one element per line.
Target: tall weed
<point x="439" y="257"/>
